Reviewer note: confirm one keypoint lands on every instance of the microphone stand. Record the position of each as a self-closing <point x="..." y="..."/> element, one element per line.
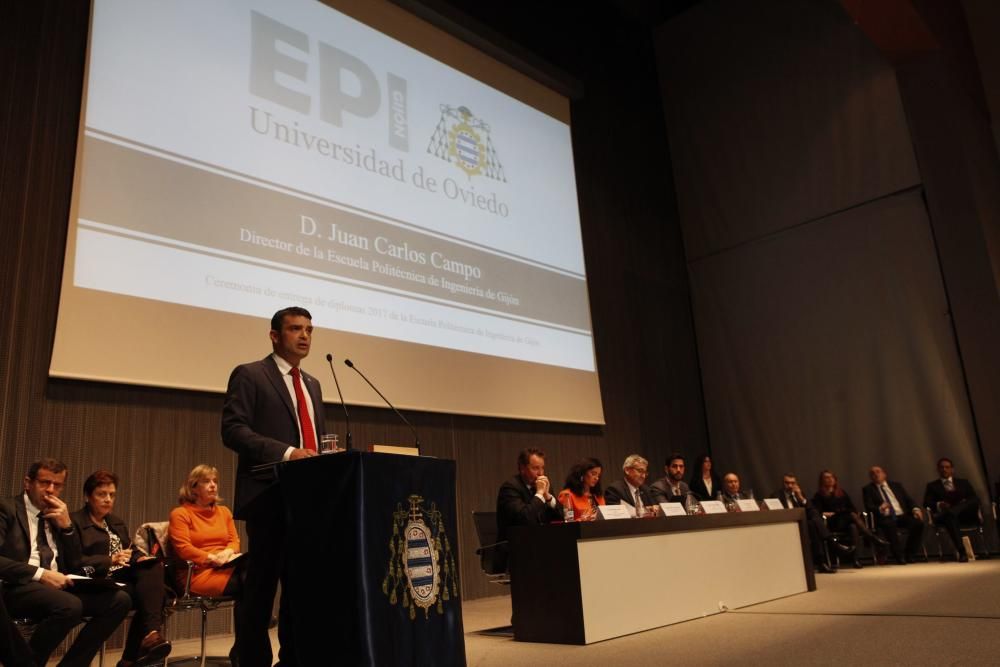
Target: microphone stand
<point x="347" y="416"/>
<point x="416" y="438"/>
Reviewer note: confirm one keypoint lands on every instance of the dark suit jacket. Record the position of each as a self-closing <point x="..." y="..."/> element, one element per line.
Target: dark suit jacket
<point x="871" y="497"/>
<point x="15" y="544"/>
<point x="660" y="490"/>
<point x="729" y="498"/>
<point x="699" y="489"/>
<point x="259" y="423"/>
<point x="519" y="506"/>
<point x="618" y="492"/>
<point x="935" y="493"/>
<point x="780" y="495"/>
<point x="95" y="545"/>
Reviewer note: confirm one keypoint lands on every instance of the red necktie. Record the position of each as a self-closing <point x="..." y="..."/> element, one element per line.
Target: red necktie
<point x="308" y="434"/>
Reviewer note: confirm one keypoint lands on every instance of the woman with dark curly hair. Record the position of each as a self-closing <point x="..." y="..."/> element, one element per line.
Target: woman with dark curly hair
<point x="840" y="513"/>
<point x="582" y="492"/>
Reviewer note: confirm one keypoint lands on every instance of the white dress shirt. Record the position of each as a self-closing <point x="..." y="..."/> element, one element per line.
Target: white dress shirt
<point x="285" y="369"/>
<point x="34" y="558"/>
<point x="896" y="507"/>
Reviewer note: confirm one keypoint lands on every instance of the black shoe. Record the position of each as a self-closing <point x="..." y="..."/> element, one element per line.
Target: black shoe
<point x="962" y="557"/>
<point x="823" y="568"/>
<point x="153" y="649"/>
<point x="878" y="540"/>
<point x="842" y="548"/>
<point x="857" y="564"/>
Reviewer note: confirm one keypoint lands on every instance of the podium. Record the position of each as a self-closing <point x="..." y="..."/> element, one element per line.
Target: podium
<point x="373" y="575"/>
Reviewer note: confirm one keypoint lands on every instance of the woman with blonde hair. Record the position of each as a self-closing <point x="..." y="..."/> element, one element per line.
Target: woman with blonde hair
<point x="203" y="532"/>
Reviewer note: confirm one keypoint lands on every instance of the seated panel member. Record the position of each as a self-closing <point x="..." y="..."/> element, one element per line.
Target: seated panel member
<point x="893" y="509"/>
<point x="582" y="490"/>
<point x="38" y="548"/>
<point x="705" y="483"/>
<point x="671" y="488"/>
<point x="203" y="531"/>
<point x="107" y="547"/>
<point x="526" y="499"/>
<point x="840" y="514"/>
<point x="731" y="491"/>
<point x="953" y="502"/>
<point x="790" y="495"/>
<point x="632" y="490"/>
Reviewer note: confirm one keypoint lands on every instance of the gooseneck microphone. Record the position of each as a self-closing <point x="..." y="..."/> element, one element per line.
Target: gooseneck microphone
<point x="416" y="438"/>
<point x="347" y="416"/>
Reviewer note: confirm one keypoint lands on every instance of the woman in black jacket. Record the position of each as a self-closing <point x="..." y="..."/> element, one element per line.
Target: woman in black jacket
<point x="107" y="548"/>
<point x="704" y="482"/>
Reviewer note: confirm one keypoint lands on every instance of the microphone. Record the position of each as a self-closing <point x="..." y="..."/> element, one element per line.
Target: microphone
<point x="416" y="438"/>
<point x="347" y="416"/>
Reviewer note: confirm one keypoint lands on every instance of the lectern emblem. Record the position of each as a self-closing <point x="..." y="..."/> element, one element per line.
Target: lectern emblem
<point x="421" y="570"/>
<point x="464" y="140"/>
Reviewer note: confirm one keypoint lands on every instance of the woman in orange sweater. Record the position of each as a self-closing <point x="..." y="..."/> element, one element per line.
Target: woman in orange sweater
<point x="583" y="490"/>
<point x="203" y="532"/>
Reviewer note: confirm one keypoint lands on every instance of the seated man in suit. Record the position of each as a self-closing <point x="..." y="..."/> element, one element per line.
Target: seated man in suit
<point x="791" y="496"/>
<point x="731" y="491"/>
<point x="893" y="509"/>
<point x="38" y="548"/>
<point x="632" y="490"/>
<point x="671" y="488"/>
<point x="526" y="499"/>
<point x="952" y="502"/>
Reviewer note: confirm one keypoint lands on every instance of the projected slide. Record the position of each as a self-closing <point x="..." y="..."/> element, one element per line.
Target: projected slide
<point x="239" y="154"/>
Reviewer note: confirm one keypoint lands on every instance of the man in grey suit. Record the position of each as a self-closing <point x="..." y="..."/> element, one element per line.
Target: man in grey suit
<point x="671" y="488"/>
<point x="633" y="487"/>
<point x="273" y="412"/>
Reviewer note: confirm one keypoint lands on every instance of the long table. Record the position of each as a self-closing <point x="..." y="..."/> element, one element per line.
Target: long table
<point x="584" y="582"/>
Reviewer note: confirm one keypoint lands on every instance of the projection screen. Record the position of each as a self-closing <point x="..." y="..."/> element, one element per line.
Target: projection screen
<point x="417" y="196"/>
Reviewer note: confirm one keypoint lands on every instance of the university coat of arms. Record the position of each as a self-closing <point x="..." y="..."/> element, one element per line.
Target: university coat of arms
<point x="421" y="570"/>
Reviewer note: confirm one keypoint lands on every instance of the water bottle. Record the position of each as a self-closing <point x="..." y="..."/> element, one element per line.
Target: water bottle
<point x="568" y="510"/>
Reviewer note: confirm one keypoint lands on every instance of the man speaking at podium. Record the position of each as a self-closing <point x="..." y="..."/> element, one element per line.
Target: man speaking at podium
<point x="273" y="412"/>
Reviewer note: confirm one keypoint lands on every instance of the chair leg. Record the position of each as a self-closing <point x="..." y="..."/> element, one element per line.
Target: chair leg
<point x="204" y="636"/>
<point x="166" y="617"/>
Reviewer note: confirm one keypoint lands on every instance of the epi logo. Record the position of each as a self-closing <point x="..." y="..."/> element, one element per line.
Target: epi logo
<point x="464" y="140"/>
<point x="421" y="569"/>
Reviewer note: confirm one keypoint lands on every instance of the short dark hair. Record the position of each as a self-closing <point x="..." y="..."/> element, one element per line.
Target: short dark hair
<point x="52" y="465"/>
<point x="278" y="319"/>
<point x="524" y="456"/>
<point x="673" y="457"/>
<point x="945" y="458"/>
<point x="574" y="481"/>
<point x="99" y="478"/>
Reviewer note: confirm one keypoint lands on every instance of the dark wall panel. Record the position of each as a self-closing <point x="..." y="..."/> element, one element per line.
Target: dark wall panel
<point x="777" y="112"/>
<point x="830" y="346"/>
<point x="821" y="289"/>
